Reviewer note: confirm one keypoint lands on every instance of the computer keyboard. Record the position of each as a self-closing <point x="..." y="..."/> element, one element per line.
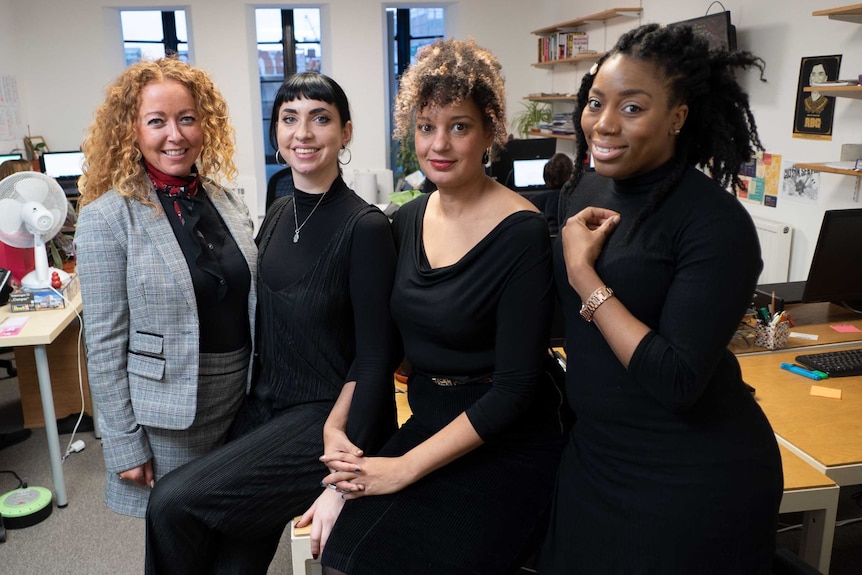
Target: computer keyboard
<point x="834" y="363"/>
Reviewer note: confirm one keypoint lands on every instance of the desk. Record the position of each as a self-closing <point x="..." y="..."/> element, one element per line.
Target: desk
<point x="809" y="491"/>
<point x="41" y="329"/>
<point x="827" y="433"/>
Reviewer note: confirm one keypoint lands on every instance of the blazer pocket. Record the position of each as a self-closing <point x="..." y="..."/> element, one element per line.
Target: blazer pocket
<point x="148" y="343"/>
<point x="146" y="366"/>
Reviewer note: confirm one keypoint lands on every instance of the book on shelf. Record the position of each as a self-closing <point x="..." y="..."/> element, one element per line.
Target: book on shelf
<point x="562" y="45"/>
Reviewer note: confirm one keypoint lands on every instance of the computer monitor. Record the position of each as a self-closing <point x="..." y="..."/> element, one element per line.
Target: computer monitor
<point x="835" y="274"/>
<point x="528" y="149"/>
<point x="529" y="173"/>
<point x="717" y="28"/>
<point x="63" y="165"/>
<point x="6" y="157"/>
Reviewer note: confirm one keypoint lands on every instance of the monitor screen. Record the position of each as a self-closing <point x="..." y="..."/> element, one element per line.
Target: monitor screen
<point x="529" y="173"/>
<point x="63" y="165"/>
<point x="836" y="274"/>
<point x="717" y="29"/>
<point x="5" y="157"/>
<point x="531" y="148"/>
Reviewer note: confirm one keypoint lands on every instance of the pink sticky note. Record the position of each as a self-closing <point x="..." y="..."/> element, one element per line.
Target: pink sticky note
<point x="845" y="328"/>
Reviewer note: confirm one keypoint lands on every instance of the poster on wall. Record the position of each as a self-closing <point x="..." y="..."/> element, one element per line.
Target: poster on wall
<point x="814" y="111"/>
<point x="799" y="184"/>
<point x="11" y="125"/>
<point x="761" y="178"/>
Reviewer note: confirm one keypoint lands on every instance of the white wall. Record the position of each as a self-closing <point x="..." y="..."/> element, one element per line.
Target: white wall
<point x="64" y="54"/>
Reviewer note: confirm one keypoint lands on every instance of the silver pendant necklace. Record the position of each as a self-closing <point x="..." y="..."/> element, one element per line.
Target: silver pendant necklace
<point x="305" y="221"/>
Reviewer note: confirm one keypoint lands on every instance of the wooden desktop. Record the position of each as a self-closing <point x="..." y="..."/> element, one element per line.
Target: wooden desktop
<point x="820" y="438"/>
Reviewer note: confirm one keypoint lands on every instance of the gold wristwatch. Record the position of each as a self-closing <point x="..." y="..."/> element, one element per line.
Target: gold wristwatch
<point x="597" y="298"/>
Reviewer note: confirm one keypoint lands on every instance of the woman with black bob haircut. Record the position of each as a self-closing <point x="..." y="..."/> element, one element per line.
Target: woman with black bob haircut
<point x="323" y="378"/>
<point x="671" y="467"/>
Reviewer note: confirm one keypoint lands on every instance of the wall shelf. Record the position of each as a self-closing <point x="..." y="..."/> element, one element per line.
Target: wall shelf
<point x="852" y="13"/>
<point x="854" y="92"/>
<point x="551" y="98"/>
<point x="829" y="169"/>
<point x="591" y="19"/>
<point x="572" y="60"/>
<point x="539" y="134"/>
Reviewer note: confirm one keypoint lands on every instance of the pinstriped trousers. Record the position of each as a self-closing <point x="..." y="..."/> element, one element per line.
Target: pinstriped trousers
<point x="225" y="512"/>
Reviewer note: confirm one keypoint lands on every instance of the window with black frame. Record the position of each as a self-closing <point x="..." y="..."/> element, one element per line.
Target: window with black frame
<point x="409" y="29"/>
<point x="153" y="34"/>
<point x="281" y="34"/>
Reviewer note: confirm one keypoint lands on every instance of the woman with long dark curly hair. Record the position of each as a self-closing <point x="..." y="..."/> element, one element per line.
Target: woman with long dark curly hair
<point x="672" y="467"/>
<point x="466" y="482"/>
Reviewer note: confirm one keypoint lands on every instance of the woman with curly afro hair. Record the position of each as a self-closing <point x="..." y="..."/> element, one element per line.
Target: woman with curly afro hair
<point x="671" y="468"/>
<point x="166" y="262"/>
<point x="464" y="485"/>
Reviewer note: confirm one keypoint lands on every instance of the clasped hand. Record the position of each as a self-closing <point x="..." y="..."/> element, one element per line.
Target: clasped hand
<point x="583" y="236"/>
<point x="358" y="476"/>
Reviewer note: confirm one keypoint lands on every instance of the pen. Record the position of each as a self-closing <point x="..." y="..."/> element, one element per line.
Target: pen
<point x="822" y="374"/>
<point x="800" y="371"/>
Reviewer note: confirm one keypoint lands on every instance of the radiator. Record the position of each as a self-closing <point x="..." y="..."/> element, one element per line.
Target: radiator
<point x="774" y="249"/>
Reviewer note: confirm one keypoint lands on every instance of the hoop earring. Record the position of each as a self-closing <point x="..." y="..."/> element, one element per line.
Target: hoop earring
<point x="486" y="157"/>
<point x="276" y="159"/>
<point x="349" y="156"/>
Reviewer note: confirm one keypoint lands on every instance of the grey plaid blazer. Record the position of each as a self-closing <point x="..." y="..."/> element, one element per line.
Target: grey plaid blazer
<point x="138" y="297"/>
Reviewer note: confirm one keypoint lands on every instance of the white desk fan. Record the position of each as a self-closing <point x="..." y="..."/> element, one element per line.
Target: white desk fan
<point x="32" y="210"/>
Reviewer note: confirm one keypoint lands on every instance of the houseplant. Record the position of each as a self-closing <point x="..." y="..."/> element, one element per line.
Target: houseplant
<point x="533" y="114"/>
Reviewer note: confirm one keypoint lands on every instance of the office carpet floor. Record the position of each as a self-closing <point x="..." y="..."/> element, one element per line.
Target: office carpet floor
<point x="85" y="538"/>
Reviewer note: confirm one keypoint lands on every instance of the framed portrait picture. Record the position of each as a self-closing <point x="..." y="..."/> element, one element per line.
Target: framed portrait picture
<point x="35" y="145"/>
<point x="814" y="111"/>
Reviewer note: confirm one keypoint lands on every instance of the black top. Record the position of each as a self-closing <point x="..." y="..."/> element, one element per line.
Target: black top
<point x="219" y="272"/>
<point x="324" y="308"/>
<point x="469" y="319"/>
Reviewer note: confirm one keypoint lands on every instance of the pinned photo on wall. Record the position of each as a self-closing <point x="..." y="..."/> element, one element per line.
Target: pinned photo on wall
<point x="799" y="184"/>
<point x="814" y="111"/>
<point x="761" y="178"/>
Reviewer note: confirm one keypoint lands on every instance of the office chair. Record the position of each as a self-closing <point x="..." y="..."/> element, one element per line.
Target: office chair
<point x="786" y="563"/>
<point x="7" y="364"/>
<point x="280" y="184"/>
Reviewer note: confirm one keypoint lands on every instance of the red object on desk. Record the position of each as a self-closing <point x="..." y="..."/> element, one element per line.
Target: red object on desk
<point x="19" y="261"/>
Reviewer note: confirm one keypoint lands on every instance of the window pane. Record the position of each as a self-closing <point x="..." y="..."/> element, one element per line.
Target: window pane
<point x="137" y="51"/>
<point x="306" y="21"/>
<point x="426" y="22"/>
<point x="270" y="60"/>
<point x="183" y="52"/>
<point x="268" y="23"/>
<point x="182" y="32"/>
<point x="142" y="25"/>
<point x="308" y="57"/>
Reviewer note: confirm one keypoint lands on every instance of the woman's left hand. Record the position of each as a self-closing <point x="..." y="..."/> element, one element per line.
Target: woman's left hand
<point x="375" y="475"/>
<point x="324" y="511"/>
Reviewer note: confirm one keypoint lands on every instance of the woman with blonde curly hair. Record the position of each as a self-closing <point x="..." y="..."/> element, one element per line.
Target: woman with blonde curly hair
<point x="167" y="262"/>
<point x="464" y="485"/>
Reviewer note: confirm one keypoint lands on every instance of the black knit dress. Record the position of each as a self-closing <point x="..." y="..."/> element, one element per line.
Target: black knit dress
<point x="484" y="321"/>
<point x="671" y="468"/>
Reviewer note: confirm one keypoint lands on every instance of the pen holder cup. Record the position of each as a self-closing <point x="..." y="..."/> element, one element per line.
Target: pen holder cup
<point x="771" y="336"/>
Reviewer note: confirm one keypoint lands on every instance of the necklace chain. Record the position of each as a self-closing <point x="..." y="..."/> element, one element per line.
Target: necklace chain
<point x="305" y="221"/>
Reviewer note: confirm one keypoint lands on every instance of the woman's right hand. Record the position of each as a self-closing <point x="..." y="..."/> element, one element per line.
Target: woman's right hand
<point x="142" y="475"/>
<point x="583" y="237"/>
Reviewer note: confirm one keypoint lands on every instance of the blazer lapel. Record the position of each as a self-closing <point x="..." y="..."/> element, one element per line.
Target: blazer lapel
<point x="165" y="242"/>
